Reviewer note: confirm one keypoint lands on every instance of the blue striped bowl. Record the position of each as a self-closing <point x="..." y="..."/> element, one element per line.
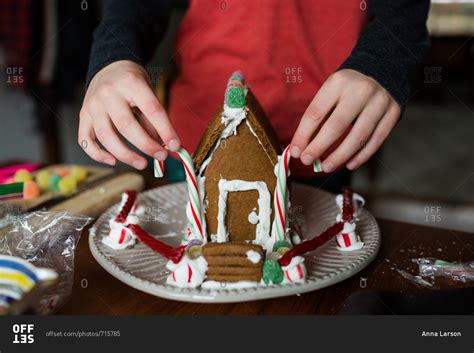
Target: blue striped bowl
<point x="18" y="277"/>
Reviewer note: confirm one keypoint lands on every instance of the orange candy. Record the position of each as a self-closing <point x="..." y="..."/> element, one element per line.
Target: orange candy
<point x="30" y="190"/>
<point x="62" y="171"/>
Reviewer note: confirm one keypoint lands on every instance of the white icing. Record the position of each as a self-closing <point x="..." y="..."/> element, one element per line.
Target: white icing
<point x="295" y="271"/>
<point x="260" y="142"/>
<point x="231" y="118"/>
<point x="188" y="273"/>
<point x="253" y="218"/>
<point x="264" y="209"/>
<point x="115" y="240"/>
<point x="296" y="239"/>
<point x="120" y="237"/>
<point x="253" y="256"/>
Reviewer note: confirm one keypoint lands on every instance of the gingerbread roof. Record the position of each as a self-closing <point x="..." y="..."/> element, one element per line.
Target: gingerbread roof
<point x="257" y="120"/>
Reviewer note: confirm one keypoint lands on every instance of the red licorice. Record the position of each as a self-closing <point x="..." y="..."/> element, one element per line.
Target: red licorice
<point x="312" y="244"/>
<point x="125" y="211"/>
<point x="165" y="250"/>
<point x="332" y="231"/>
<point x="347" y="207"/>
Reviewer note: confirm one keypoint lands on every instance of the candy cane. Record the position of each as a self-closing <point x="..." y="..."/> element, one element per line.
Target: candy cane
<point x="194" y="208"/>
<point x="280" y="198"/>
<point x="158" y="168"/>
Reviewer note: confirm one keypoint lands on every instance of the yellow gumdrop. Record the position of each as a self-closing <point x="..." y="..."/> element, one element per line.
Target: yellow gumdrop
<point x="42" y="179"/>
<point x="67" y="185"/>
<point x="22" y="176"/>
<point x="79" y="173"/>
<point x="282" y="251"/>
<point x="194" y="252"/>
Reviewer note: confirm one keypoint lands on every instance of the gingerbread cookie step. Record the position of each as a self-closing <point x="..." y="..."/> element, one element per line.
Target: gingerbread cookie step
<point x="233" y="271"/>
<point x="231" y="248"/>
<point x="231" y="261"/>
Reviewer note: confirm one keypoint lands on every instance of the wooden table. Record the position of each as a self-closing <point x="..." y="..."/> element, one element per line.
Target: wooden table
<point x="99" y="293"/>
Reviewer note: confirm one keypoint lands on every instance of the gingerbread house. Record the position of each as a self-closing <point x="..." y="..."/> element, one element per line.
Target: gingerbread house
<point x="238" y="228"/>
<point x="235" y="164"/>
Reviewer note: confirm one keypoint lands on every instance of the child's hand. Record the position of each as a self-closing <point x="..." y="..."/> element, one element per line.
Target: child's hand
<point x="346" y="95"/>
<point x="106" y="114"/>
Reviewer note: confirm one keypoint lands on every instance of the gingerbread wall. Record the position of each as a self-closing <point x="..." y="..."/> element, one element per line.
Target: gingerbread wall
<point x="238" y="157"/>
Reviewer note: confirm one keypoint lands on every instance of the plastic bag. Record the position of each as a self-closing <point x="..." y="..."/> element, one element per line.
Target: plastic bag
<point x="455" y="271"/>
<point x="48" y="240"/>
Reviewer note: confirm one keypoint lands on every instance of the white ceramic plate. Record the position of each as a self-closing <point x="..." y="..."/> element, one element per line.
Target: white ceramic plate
<point x="145" y="270"/>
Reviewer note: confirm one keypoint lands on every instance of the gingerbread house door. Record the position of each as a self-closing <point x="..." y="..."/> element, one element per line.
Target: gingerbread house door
<point x="244" y="211"/>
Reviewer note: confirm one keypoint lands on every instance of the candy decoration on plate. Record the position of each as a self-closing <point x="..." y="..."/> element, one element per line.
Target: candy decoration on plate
<point x="329" y="233"/>
<point x="194" y="210"/>
<point x="173" y="254"/>
<point x="188" y="273"/>
<point x="347" y="239"/>
<point x="120" y="236"/>
<point x="272" y="272"/>
<point x="295" y="271"/>
<point x="312" y="244"/>
<point x="188" y="268"/>
<point x="279" y="227"/>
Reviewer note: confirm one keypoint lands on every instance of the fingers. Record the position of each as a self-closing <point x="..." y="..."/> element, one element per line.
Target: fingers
<point x="125" y="122"/>
<point x="139" y="93"/>
<point x="381" y="132"/>
<point x="108" y="137"/>
<point x="145" y="123"/>
<point x="86" y="139"/>
<point x="312" y="118"/>
<point x="347" y="109"/>
<point x="364" y="126"/>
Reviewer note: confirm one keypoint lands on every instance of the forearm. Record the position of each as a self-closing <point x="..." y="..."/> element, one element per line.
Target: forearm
<point x="393" y="43"/>
<point x="129" y="30"/>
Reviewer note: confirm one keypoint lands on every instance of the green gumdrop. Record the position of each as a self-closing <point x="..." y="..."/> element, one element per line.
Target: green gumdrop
<point x="235" y="97"/>
<point x="272" y="272"/>
<point x="280" y="244"/>
<point x="54" y="180"/>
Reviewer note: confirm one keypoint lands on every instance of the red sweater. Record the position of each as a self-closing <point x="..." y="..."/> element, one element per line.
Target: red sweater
<point x="286" y="50"/>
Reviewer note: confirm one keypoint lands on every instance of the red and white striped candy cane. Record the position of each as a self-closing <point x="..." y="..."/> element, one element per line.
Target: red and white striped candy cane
<point x="280" y="198"/>
<point x="194" y="209"/>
